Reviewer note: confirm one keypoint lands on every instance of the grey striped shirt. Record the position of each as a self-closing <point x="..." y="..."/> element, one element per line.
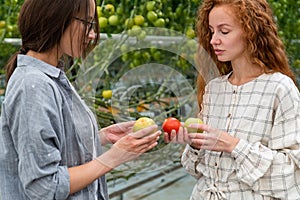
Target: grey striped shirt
<point x="45" y="128"/>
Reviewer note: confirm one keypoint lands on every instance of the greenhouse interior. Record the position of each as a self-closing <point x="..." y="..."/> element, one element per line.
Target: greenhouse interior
<point x="145" y="66"/>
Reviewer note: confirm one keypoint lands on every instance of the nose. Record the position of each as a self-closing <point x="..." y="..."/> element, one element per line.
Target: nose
<point x="215" y="40"/>
<point x="92" y="35"/>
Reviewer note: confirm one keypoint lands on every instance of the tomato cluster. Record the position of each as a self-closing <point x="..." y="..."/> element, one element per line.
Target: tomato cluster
<point x="116" y="16"/>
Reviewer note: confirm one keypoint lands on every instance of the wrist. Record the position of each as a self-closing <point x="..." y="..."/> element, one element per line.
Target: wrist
<point x="232" y="144"/>
<point x="102" y="135"/>
<point x="116" y="156"/>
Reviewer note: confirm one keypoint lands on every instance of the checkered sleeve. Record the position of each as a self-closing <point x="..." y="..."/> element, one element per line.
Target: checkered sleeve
<point x="190" y="159"/>
<point x="273" y="169"/>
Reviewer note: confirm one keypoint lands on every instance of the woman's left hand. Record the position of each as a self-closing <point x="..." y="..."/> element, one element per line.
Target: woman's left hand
<point x="113" y="133"/>
<point x="213" y="139"/>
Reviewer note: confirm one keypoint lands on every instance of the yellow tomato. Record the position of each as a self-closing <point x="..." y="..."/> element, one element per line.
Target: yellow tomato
<point x="2" y="24"/>
<point x="107" y="94"/>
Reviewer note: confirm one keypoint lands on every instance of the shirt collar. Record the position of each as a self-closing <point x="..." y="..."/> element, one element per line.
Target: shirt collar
<point x="24" y="60"/>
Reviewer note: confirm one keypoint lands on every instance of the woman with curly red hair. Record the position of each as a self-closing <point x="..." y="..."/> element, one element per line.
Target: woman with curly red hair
<point x="250" y="145"/>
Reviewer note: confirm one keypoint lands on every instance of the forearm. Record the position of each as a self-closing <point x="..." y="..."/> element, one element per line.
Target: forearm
<point x="83" y="175"/>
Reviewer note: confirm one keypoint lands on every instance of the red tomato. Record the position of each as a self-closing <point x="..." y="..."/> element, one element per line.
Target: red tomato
<point x="170" y="124"/>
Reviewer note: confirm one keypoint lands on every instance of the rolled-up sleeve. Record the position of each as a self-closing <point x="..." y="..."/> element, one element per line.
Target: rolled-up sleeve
<point x="274" y="169"/>
<point x="36" y="125"/>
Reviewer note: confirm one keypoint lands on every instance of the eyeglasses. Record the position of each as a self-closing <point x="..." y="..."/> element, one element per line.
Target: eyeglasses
<point x="90" y="25"/>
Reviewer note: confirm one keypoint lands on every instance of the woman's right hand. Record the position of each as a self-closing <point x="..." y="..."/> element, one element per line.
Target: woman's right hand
<point x="130" y="147"/>
<point x="181" y="137"/>
<point x="127" y="148"/>
<point x="139" y="141"/>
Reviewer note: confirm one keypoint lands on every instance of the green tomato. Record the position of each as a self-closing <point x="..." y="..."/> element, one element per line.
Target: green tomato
<point x="136" y="29"/>
<point x="139" y="20"/>
<point x="146" y="56"/>
<point x="2" y="24"/>
<point x="141" y="36"/>
<point x="129" y="23"/>
<point x="103" y="22"/>
<point x="193" y="120"/>
<point x="110" y="9"/>
<point x="99" y="11"/>
<point x="191" y="44"/>
<point x="150" y="5"/>
<point x="137" y="54"/>
<point x="10" y="28"/>
<point x="130" y="33"/>
<point x="113" y="20"/>
<point x="142" y="123"/>
<point x="157" y="56"/>
<point x="160" y="22"/>
<point x="125" y="57"/>
<point x="190" y="33"/>
<point x="136" y="62"/>
<point x="120" y="10"/>
<point x="124" y="48"/>
<point x="152" y="16"/>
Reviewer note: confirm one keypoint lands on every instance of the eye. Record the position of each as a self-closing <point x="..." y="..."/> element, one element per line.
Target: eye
<point x="224" y="32"/>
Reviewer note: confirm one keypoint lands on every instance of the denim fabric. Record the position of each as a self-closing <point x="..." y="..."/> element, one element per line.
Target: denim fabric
<point x="45" y="129"/>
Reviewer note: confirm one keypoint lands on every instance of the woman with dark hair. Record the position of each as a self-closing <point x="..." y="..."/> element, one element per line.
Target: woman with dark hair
<point x="50" y="144"/>
<point x="250" y="148"/>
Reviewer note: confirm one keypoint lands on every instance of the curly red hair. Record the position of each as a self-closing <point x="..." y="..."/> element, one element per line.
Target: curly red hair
<point x="263" y="42"/>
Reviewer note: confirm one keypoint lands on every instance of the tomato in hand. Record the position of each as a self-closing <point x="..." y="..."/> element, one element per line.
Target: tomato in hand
<point x="170" y="124"/>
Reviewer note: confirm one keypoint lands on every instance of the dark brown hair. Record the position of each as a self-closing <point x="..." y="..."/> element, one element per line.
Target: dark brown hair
<point x="265" y="47"/>
<point x="43" y="22"/>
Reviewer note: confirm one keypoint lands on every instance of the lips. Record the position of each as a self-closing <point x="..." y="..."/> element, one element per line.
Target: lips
<point x="219" y="52"/>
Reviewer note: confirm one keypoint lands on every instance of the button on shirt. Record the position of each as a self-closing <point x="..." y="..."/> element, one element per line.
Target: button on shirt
<point x="265" y="164"/>
<point x="45" y="129"/>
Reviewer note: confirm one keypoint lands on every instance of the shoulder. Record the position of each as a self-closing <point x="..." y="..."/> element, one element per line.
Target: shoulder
<point x="33" y="70"/>
<point x="281" y="86"/>
<point x="26" y="76"/>
<point x="29" y="83"/>
<point x="278" y="78"/>
<point x="279" y="81"/>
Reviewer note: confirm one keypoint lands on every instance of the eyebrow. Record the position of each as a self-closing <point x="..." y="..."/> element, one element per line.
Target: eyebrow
<point x="220" y="25"/>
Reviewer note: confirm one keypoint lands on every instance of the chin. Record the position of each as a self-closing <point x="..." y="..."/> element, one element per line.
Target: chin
<point x="223" y="59"/>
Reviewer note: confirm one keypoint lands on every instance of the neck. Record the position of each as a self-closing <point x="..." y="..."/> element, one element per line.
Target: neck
<point x="244" y="73"/>
<point x="51" y="57"/>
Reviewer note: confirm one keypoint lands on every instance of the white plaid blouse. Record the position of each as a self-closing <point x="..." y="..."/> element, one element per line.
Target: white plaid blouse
<point x="264" y="114"/>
